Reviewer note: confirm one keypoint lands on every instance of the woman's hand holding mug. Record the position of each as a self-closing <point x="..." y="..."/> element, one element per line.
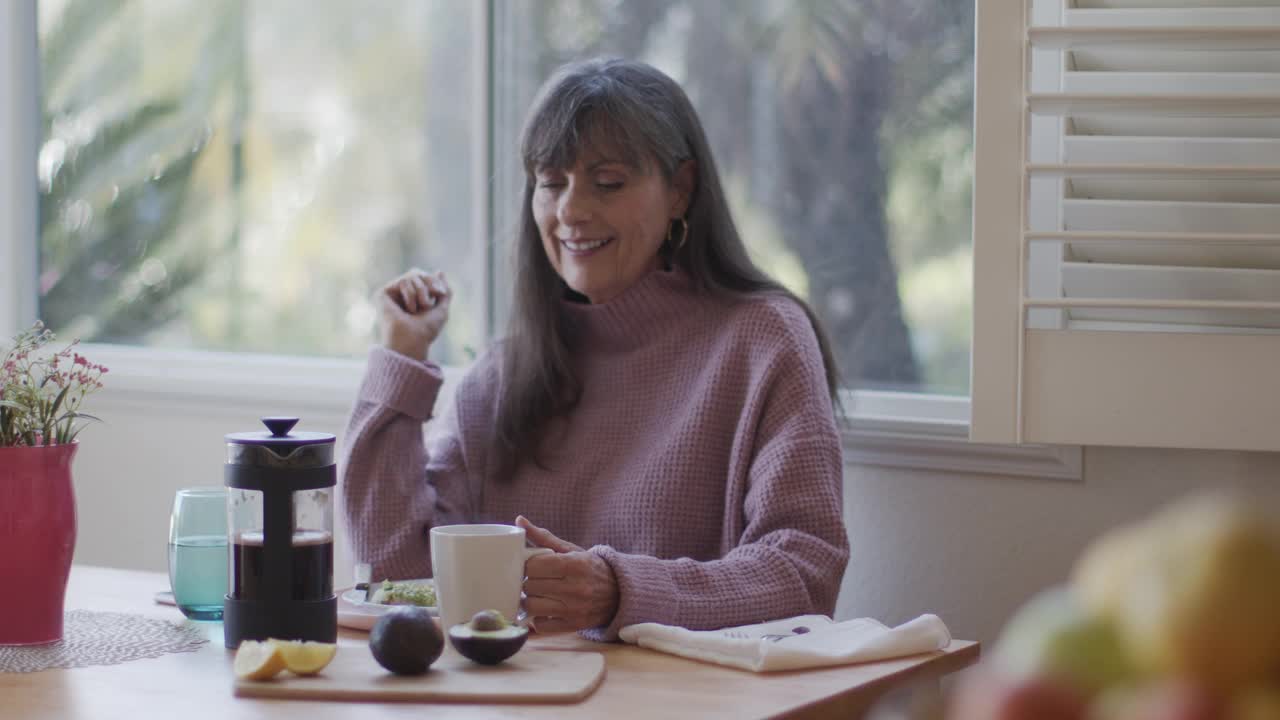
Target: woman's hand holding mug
<point x="412" y="310"/>
<point x="570" y="590"/>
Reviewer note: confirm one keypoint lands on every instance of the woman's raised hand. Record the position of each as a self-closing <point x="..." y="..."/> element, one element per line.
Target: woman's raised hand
<point x="571" y="589"/>
<point x="412" y="310"/>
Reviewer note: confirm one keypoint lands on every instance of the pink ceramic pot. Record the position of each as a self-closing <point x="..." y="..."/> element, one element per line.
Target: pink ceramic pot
<point x="37" y="537"/>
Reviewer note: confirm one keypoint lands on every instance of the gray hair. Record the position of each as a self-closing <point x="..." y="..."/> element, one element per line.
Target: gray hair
<point x="626" y="107"/>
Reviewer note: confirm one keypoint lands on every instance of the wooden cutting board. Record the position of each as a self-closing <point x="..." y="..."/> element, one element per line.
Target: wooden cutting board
<point x="531" y="676"/>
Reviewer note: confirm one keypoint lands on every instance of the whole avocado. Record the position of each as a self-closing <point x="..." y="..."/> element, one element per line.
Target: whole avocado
<point x="406" y="641"/>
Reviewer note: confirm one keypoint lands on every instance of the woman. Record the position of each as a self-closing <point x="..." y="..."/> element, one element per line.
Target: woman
<point x="660" y="412"/>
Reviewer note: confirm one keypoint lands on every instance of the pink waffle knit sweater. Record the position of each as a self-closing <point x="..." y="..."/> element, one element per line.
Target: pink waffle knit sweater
<point x="702" y="463"/>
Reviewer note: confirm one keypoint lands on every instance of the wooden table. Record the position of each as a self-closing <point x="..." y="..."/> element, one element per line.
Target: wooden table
<point x="638" y="683"/>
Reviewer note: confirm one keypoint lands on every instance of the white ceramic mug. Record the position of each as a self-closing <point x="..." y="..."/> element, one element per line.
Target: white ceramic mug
<point x="478" y="567"/>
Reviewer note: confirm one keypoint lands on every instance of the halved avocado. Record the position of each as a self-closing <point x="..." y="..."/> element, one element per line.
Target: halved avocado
<point x="488" y="639"/>
<point x="406" y="640"/>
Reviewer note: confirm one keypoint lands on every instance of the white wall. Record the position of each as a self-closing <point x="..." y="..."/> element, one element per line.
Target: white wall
<point x="972" y="549"/>
<point x="968" y="548"/>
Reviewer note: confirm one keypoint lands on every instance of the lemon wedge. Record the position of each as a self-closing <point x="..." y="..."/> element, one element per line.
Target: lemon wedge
<point x="258" y="660"/>
<point x="305" y="658"/>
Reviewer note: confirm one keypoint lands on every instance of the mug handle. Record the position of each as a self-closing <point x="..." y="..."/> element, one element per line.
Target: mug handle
<point x="521" y="617"/>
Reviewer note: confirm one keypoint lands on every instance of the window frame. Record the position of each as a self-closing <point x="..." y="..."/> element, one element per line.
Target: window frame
<point x="887" y="429"/>
<point x="19" y="140"/>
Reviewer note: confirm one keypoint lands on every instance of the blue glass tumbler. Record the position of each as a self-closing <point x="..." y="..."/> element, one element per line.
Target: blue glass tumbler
<point x="198" y="551"/>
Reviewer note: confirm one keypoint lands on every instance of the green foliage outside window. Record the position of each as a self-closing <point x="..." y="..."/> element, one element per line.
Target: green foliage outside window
<point x="240" y="175"/>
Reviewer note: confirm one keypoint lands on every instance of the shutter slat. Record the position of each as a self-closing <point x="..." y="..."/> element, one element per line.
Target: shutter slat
<point x="1199" y="15"/>
<point x="1170" y="217"/>
<point x="1172" y="238"/>
<point x="1153" y="151"/>
<point x="1067" y="104"/>
<point x="1160" y="255"/>
<point x="1192" y="37"/>
<point x="1136" y="126"/>
<point x="1141" y="85"/>
<point x="1099" y="58"/>
<point x="1195" y="286"/>
<point x="1157" y="172"/>
<point x="1085" y="280"/>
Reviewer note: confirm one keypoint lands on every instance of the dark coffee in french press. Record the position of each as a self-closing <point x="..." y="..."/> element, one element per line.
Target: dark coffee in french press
<point x="310" y="560"/>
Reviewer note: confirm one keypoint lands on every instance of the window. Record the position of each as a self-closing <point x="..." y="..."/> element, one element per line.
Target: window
<point x="1128" y="165"/>
<point x="842" y="129"/>
<point x="241" y="175"/>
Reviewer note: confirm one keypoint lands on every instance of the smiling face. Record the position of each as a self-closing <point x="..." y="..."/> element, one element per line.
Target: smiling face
<point x="602" y="221"/>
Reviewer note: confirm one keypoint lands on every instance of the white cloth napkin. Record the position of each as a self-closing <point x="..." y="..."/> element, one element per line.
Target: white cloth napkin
<point x="773" y="646"/>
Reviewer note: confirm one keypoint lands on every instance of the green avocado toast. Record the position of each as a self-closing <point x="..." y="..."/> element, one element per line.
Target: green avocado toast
<point x="404" y="593"/>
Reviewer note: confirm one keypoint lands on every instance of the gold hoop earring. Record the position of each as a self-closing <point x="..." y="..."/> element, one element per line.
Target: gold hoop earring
<point x="684" y="234"/>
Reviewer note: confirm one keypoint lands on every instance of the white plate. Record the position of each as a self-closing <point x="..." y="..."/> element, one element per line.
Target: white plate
<point x="355" y="613"/>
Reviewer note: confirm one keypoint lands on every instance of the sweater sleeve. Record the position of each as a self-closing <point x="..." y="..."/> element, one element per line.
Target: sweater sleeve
<point x="791" y="555"/>
<point x="393" y="488"/>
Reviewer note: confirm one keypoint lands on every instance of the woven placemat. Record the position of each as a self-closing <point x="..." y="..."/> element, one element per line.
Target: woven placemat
<point x="103" y="638"/>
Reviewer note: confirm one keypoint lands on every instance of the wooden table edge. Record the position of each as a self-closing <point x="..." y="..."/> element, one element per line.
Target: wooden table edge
<point x="853" y="702"/>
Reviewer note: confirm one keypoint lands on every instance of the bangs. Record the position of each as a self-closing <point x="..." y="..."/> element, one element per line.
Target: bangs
<point x="562" y="131"/>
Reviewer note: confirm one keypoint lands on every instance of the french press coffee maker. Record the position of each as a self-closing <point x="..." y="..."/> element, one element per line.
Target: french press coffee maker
<point x="280" y="522"/>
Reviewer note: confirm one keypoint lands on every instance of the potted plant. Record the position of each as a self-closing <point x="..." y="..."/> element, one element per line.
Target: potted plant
<point x="41" y="391"/>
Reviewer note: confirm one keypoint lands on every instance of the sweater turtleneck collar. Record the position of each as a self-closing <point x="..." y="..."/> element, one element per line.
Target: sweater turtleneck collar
<point x="642" y="312"/>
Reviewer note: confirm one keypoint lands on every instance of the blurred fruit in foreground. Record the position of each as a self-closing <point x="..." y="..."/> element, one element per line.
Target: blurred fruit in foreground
<point x="1173" y="618"/>
<point x="1053" y="637"/>
<point x="1194" y="592"/>
<point x="1260" y="703"/>
<point x="1171" y="700"/>
<point x="1102" y="574"/>
<point x="989" y="696"/>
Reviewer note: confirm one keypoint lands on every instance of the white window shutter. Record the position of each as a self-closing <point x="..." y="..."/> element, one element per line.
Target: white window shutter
<point x="1127" y="223"/>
